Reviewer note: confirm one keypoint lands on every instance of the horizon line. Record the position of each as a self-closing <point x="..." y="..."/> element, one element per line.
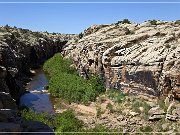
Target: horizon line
<point x="63" y="2"/>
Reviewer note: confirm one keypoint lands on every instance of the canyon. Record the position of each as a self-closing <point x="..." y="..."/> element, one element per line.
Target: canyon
<point x="20" y="51"/>
<point x="138" y="59"/>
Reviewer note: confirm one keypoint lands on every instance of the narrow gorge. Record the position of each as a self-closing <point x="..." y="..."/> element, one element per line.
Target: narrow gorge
<point x="20" y="51"/>
<point x="138" y="65"/>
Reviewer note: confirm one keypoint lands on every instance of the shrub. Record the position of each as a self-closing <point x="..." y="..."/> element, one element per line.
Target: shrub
<point x="123" y="22"/>
<point x="42" y="117"/>
<point x="146" y="129"/>
<point x="177" y="22"/>
<point x="162" y="104"/>
<point x="99" y="112"/>
<point x="80" y="35"/>
<point x="65" y="82"/>
<point x="63" y="122"/>
<point x="67" y="122"/>
<point x="116" y="95"/>
<point x="153" y="22"/>
<point x="126" y="21"/>
<point x="110" y="107"/>
<point x="137" y="104"/>
<point x="102" y="130"/>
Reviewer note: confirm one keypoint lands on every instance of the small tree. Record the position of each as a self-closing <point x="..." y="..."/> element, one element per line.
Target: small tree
<point x="177" y="22"/>
<point x="126" y="21"/>
<point x="80" y="35"/>
<point x="153" y="22"/>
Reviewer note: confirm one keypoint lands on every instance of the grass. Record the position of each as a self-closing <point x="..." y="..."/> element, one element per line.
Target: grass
<point x="162" y="104"/>
<point x="63" y="122"/>
<point x="110" y="107"/>
<point x="67" y="84"/>
<point x="116" y="95"/>
<point x="139" y="103"/>
<point x="146" y="129"/>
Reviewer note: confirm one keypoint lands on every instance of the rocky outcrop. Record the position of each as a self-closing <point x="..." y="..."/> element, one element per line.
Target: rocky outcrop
<point x="138" y="58"/>
<point x="21" y="50"/>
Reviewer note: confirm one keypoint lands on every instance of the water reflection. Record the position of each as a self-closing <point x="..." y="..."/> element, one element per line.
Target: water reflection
<point x="37" y="99"/>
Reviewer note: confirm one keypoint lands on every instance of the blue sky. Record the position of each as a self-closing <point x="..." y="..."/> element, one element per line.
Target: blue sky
<point x="74" y="18"/>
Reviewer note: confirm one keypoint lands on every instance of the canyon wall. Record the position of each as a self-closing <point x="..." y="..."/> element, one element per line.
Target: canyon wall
<point x="135" y="58"/>
<point x="21" y="50"/>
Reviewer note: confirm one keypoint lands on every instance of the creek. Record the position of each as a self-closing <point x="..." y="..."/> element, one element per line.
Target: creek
<point x="37" y="98"/>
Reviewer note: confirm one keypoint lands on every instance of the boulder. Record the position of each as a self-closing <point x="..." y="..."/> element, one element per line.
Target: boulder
<point x="172" y="117"/>
<point x="156" y="113"/>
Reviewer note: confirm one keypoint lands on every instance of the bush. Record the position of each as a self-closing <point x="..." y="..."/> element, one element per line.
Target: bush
<point x="116" y="95"/>
<point x="153" y="22"/>
<point x="101" y="130"/>
<point x="123" y="22"/>
<point x="63" y="122"/>
<point x="137" y="104"/>
<point x="126" y="21"/>
<point x="110" y="107"/>
<point x="42" y="117"/>
<point x="80" y="35"/>
<point x="65" y="82"/>
<point x="67" y="122"/>
<point x="177" y="22"/>
<point x="146" y="129"/>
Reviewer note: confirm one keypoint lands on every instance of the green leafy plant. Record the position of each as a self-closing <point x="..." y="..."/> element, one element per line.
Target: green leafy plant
<point x="146" y="129"/>
<point x="63" y="122"/>
<point x="116" y="95"/>
<point x="126" y="21"/>
<point x="177" y="22"/>
<point x="153" y="22"/>
<point x="80" y="35"/>
<point x="65" y="82"/>
<point x="110" y="107"/>
<point x="137" y="104"/>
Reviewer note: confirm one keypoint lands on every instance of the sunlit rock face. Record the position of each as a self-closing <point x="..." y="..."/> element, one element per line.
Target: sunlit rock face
<point x="137" y="58"/>
<point x="21" y="50"/>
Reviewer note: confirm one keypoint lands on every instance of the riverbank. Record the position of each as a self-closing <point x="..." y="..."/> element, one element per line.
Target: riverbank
<point x="21" y="50"/>
<point x="114" y="110"/>
<point x="37" y="97"/>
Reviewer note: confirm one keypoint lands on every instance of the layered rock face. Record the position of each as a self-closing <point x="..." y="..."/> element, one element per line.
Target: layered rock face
<point x="20" y="50"/>
<point x="136" y="58"/>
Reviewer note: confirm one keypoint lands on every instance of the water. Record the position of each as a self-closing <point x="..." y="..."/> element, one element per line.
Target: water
<point x="38" y="98"/>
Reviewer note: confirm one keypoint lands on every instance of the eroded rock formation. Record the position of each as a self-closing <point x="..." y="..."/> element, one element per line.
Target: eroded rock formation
<point x="20" y="50"/>
<point x="137" y="58"/>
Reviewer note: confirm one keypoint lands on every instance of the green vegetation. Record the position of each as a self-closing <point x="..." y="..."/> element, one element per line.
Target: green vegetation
<point x="99" y="112"/>
<point x="116" y="95"/>
<point x="80" y="35"/>
<point x="65" y="82"/>
<point x="153" y="22"/>
<point x="162" y="104"/>
<point x="64" y="122"/>
<point x="102" y="131"/>
<point x="124" y="21"/>
<point x="177" y="22"/>
<point x="146" y="129"/>
<point x="110" y="107"/>
<point x="137" y="104"/>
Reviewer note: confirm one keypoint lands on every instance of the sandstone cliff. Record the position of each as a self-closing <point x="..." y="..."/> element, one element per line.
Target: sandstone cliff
<point x="136" y="58"/>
